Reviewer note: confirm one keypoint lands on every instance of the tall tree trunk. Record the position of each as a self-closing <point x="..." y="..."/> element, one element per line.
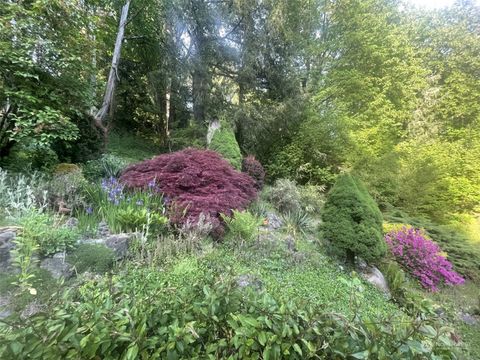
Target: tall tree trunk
<point x="168" y="94"/>
<point x="101" y="116"/>
<point x="199" y="89"/>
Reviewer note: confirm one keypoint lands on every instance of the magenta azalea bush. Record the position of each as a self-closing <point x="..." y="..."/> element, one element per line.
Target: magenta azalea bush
<point x="421" y="258"/>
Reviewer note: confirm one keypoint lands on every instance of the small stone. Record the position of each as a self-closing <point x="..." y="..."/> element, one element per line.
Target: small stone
<point x="290" y="243"/>
<point x="71" y="223"/>
<point x="119" y="243"/>
<point x="5" y="302"/>
<point x="249" y="280"/>
<point x="32" y="309"/>
<point x="57" y="266"/>
<point x="103" y="229"/>
<point x="468" y="319"/>
<point x="273" y="222"/>
<point x="376" y="278"/>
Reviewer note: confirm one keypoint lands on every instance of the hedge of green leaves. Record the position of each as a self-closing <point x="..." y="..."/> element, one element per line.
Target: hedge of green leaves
<point x="146" y="314"/>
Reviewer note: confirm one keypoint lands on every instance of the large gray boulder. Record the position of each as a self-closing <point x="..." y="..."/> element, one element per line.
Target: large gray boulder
<point x="119" y="243"/>
<point x="374" y="276"/>
<point x="57" y="266"/>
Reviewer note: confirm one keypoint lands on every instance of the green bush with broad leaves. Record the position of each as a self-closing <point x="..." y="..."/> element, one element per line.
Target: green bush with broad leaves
<point x="47" y="232"/>
<point x="352" y="222"/>
<point x="148" y="314"/>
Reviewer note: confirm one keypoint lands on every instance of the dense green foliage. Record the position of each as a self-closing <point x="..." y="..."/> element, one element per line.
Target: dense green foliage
<point x="242" y="226"/>
<point x="352" y="222"/>
<point x="91" y="257"/>
<point x="224" y="142"/>
<point x="48" y="233"/>
<point x="378" y="89"/>
<point x="212" y="317"/>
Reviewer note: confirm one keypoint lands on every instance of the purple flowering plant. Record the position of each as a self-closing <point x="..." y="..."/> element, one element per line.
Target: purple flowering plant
<point x="124" y="209"/>
<point x="422" y="258"/>
<point x="113" y="189"/>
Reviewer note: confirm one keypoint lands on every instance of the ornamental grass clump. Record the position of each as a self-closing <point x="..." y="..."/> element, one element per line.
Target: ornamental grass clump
<point x="422" y="258"/>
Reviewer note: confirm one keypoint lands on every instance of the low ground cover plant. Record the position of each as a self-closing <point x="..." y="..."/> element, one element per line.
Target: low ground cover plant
<point x="152" y="315"/>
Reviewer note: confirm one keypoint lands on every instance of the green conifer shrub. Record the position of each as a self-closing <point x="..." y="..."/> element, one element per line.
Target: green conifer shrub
<point x="352" y="222"/>
<point x="224" y="142"/>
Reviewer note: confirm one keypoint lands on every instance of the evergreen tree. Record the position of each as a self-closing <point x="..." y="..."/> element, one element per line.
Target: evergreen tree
<point x="352" y="222"/>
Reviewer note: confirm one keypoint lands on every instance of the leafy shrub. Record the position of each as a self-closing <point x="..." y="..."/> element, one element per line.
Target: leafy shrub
<point x="381" y="176"/>
<point x="312" y="198"/>
<point x="316" y="151"/>
<point x="421" y="258"/>
<point x="92" y="257"/>
<point x="225" y="144"/>
<point x="352" y="222"/>
<point x="23" y="258"/>
<point x="242" y="226"/>
<point x="193" y="182"/>
<point x="21" y="194"/>
<point x="105" y="167"/>
<point x="191" y="136"/>
<point x="88" y="146"/>
<point x="28" y="157"/>
<point x="252" y="167"/>
<point x="66" y="189"/>
<point x="48" y="233"/>
<point x="284" y="195"/>
<point x="65" y="168"/>
<point x="396" y="280"/>
<point x="153" y="315"/>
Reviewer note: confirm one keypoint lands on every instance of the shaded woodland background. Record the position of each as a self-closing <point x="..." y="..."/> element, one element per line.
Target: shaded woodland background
<point x="310" y="87"/>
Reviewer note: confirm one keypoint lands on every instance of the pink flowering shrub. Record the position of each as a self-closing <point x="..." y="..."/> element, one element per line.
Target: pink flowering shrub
<point x="421" y="258"/>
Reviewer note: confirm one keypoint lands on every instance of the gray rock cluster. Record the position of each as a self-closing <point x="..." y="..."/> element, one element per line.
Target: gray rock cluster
<point x="7" y="235"/>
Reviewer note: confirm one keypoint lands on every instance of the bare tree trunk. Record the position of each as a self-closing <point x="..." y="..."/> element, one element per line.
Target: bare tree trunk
<point x="167" y="110"/>
<point x="101" y="115"/>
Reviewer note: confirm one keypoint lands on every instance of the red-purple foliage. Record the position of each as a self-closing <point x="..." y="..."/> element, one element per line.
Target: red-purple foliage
<point x="252" y="167"/>
<point x="195" y="182"/>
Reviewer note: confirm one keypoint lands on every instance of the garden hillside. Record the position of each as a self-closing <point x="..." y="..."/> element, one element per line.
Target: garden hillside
<point x="239" y="179"/>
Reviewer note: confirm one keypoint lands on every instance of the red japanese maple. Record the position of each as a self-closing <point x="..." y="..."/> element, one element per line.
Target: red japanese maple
<point x="193" y="182"/>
